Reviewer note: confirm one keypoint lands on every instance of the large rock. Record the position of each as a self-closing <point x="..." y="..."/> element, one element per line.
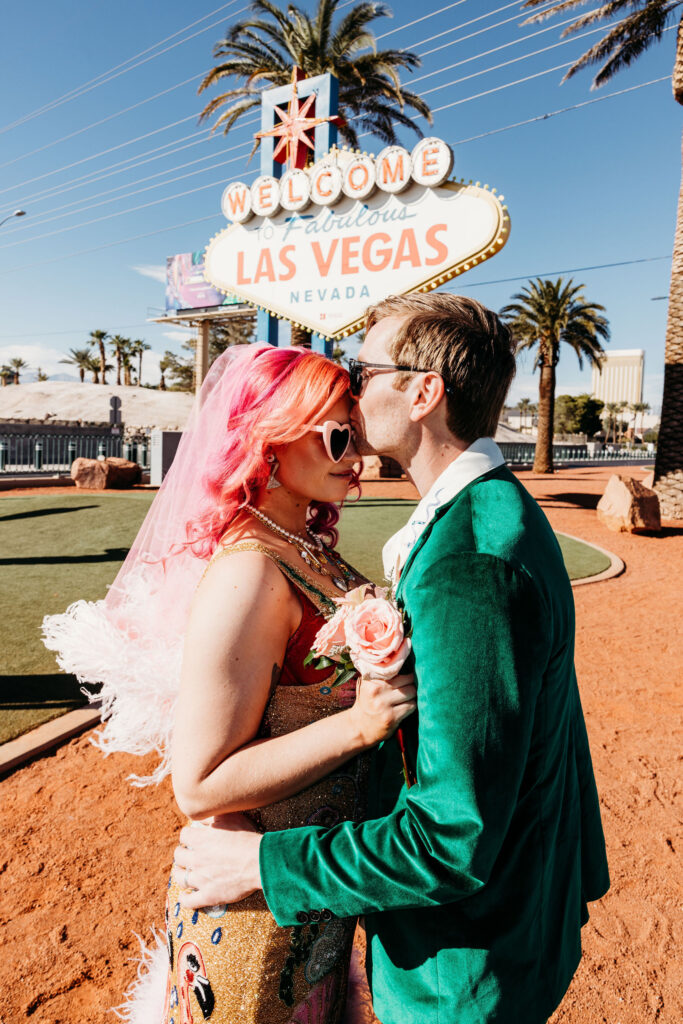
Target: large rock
<point x="372" y="467"/>
<point x="100" y="474"/>
<point x="628" y="507"/>
<point x="380" y="467"/>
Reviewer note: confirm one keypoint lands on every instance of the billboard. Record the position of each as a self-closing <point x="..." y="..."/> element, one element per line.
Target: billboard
<point x="186" y="286"/>
<point x="317" y="247"/>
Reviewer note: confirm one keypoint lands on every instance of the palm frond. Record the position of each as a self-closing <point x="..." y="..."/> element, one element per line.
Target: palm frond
<point x="263" y="47"/>
<point x="624" y="42"/>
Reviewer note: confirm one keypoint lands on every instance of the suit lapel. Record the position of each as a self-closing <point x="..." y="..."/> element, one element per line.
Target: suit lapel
<point x="424" y="536"/>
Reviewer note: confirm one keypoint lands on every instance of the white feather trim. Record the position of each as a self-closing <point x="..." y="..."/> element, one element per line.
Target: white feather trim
<point x="138" y="668"/>
<point x="145" y="998"/>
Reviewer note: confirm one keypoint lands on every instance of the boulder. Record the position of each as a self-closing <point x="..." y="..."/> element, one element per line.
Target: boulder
<point x="372" y="467"/>
<point x="122" y="473"/>
<point x="391" y="469"/>
<point x="89" y="473"/>
<point x="380" y="467"/>
<point x="100" y="474"/>
<point x="628" y="507"/>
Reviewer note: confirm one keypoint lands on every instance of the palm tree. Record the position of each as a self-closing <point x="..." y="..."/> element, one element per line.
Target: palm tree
<point x="95" y="367"/>
<point x="41" y="375"/>
<point x="523" y="406"/>
<point x="17" y="365"/>
<point x="5" y="373"/>
<point x="642" y="408"/>
<point x="80" y="357"/>
<point x="118" y="346"/>
<point x="621" y="407"/>
<point x="98" y="338"/>
<point x="164" y="365"/>
<point x="266" y="46"/>
<point x="547" y="313"/>
<point x="611" y="408"/>
<point x="641" y="24"/>
<point x="127" y="362"/>
<point x="138" y="347"/>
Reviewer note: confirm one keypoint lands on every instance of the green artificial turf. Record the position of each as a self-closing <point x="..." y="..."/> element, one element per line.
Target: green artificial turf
<point x="55" y="550"/>
<point x="581" y="559"/>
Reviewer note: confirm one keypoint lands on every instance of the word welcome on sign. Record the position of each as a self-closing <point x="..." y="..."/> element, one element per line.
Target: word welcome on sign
<point x="322" y="263"/>
<point x="392" y="171"/>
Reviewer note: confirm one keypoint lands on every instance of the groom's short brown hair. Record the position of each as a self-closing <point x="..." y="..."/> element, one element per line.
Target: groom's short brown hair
<point x="465" y="342"/>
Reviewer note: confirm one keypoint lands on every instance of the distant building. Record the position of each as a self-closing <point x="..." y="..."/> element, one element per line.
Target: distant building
<point x="620" y="378"/>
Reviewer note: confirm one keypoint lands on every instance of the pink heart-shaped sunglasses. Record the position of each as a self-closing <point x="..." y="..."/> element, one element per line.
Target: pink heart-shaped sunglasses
<point x="336" y="438"/>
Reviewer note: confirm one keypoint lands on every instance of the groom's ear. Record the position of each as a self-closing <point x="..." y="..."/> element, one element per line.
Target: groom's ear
<point x="426" y="391"/>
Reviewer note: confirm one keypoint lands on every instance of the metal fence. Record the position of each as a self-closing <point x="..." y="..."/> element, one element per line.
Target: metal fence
<point x="41" y="453"/>
<point x="523" y="454"/>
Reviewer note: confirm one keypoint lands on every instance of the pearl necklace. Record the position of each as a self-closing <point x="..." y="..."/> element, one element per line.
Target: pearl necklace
<point x="311" y="549"/>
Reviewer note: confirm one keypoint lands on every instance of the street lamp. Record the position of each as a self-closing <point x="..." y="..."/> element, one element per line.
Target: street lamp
<point x="17" y="213"/>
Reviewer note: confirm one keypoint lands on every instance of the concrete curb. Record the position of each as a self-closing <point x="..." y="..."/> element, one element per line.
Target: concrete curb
<point x="615" y="568"/>
<point x="45" y="737"/>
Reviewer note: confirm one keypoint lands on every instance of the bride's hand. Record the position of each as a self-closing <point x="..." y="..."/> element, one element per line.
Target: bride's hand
<point x="381" y="705"/>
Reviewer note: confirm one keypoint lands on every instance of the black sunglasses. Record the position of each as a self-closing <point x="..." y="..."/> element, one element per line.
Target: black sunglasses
<point x="358" y="374"/>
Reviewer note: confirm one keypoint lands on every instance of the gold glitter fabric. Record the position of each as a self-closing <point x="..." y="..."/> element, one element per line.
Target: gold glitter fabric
<point x="232" y="964"/>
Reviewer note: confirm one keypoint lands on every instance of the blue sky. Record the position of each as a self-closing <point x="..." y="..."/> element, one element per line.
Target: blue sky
<point x="114" y="179"/>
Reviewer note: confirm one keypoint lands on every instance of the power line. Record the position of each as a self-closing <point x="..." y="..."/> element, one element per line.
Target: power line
<point x="121" y="213"/>
<point x="480" y="31"/>
<point x="126" y="195"/>
<point x="494" y="49"/>
<point x="435" y="89"/>
<point x="479" y="284"/>
<point x="563" y="110"/>
<point x="173" y="124"/>
<point x="203" y="187"/>
<point x="503" y="64"/>
<point x="110" y="245"/>
<point x="425" y="17"/>
<point x="103" y="120"/>
<point x="200" y="220"/>
<point x="108" y="76"/>
<point x="571" y="270"/>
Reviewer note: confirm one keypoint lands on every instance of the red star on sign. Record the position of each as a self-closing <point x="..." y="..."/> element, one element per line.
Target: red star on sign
<point x="293" y="129"/>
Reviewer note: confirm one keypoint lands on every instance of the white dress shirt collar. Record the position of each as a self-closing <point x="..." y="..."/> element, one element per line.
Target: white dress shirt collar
<point x="481" y="457"/>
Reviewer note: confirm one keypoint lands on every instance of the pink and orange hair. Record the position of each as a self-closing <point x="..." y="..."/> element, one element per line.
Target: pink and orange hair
<point x="274" y="397"/>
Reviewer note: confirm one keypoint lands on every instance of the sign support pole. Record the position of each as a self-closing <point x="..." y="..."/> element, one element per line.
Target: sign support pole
<point x="326" y="89"/>
<point x="201" y="361"/>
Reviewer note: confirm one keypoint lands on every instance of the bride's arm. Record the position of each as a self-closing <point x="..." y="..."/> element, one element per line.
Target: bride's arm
<point x="241" y="619"/>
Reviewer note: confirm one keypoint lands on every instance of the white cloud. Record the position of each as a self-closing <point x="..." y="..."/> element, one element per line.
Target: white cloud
<point x="179" y="335"/>
<point x="153" y="270"/>
<point x="43" y="356"/>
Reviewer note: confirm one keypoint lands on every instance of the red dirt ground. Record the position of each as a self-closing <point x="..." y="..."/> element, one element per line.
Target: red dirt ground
<point x="85" y="857"/>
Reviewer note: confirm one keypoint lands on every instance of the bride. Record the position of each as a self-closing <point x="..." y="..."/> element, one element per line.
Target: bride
<point x="201" y="647"/>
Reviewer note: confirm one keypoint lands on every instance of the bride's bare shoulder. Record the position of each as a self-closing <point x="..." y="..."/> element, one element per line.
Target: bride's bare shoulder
<point x="249" y="575"/>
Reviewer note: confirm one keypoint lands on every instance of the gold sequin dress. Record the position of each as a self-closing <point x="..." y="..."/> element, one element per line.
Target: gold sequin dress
<point x="232" y="964"/>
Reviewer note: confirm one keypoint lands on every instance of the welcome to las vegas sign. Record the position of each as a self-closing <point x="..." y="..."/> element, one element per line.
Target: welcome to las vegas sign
<point x="318" y="246"/>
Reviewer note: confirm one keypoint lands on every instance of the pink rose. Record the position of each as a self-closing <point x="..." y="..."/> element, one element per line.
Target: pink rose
<point x="375" y="636"/>
<point x="331" y="637"/>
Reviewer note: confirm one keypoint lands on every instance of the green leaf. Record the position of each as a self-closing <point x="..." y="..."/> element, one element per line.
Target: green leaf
<point x="344" y="676"/>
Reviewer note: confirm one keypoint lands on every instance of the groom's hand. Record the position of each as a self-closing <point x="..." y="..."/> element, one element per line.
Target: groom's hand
<point x="217" y="863"/>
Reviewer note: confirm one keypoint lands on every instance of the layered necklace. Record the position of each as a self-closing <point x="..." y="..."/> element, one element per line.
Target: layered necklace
<point x="312" y="550"/>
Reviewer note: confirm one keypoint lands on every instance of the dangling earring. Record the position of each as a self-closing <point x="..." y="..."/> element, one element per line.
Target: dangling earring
<point x="274" y="466"/>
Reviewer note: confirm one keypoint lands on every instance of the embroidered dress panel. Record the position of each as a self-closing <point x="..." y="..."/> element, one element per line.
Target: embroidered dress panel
<point x="233" y="964"/>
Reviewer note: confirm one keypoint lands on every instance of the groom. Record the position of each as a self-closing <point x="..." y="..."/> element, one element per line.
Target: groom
<point x="474" y="881"/>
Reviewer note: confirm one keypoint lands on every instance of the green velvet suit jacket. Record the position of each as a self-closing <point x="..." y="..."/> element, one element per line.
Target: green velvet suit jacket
<point x="474" y="881"/>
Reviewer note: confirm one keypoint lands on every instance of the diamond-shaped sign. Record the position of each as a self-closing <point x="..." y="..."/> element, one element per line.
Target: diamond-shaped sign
<point x="323" y="266"/>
